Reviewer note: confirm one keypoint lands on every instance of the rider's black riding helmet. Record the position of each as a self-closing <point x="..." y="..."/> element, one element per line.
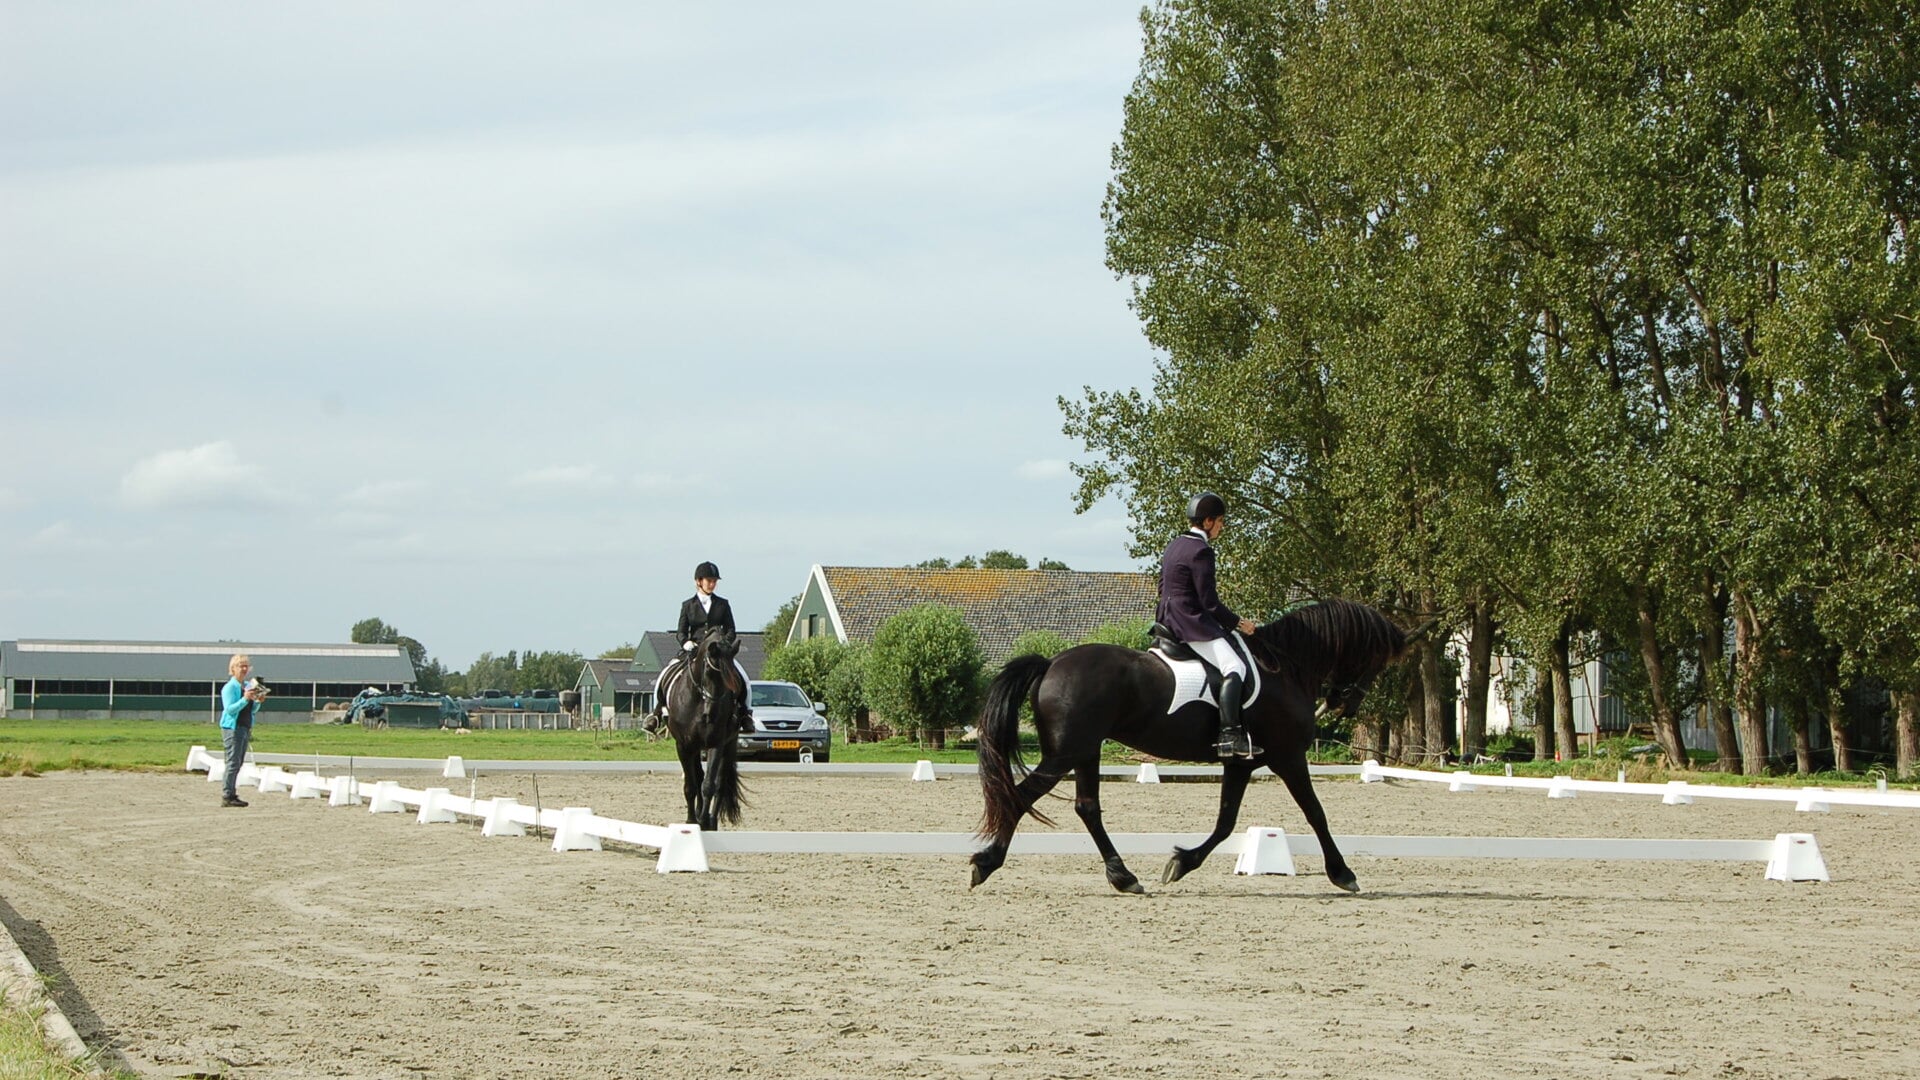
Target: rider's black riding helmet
<point x="1206" y="505"/>
<point x="706" y="570"/>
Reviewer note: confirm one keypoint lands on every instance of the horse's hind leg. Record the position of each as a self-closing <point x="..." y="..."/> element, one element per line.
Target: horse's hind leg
<point x="1233" y="787"/>
<point x="1086" y="803"/>
<point x="1038" y="782"/>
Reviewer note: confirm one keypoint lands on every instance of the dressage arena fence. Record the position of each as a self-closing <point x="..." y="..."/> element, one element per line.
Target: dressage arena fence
<point x="684" y="847"/>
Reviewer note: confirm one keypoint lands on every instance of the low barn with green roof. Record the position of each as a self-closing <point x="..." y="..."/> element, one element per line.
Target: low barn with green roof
<point x="181" y="680"/>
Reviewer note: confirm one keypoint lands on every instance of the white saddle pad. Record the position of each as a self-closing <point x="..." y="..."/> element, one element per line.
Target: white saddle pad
<point x="1190" y="683"/>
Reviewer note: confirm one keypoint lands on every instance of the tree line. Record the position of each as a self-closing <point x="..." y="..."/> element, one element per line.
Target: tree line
<point x="1586" y="329"/>
<point x="515" y="672"/>
<point x="923" y="673"/>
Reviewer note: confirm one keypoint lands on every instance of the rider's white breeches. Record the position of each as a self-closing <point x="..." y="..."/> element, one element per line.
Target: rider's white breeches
<point x="1220" y="652"/>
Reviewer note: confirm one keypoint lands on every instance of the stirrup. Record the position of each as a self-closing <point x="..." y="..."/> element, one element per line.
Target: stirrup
<point x="1236" y="743"/>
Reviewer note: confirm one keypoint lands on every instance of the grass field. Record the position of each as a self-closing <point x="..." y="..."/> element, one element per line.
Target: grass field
<point x="36" y="746"/>
<point x="48" y="745"/>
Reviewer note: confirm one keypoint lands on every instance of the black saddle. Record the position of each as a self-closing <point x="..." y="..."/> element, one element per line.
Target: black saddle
<point x="1175" y="649"/>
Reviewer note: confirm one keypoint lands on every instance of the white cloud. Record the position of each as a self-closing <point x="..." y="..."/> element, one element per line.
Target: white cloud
<point x="563" y="478"/>
<point x="208" y="475"/>
<point x="386" y="495"/>
<point x="1044" y="469"/>
<point x="64" y="536"/>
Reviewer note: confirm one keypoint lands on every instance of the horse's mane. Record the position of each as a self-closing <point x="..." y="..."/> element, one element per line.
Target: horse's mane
<point x="1339" y="635"/>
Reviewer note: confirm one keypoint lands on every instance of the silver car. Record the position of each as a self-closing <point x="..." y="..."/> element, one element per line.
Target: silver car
<point x="785" y="722"/>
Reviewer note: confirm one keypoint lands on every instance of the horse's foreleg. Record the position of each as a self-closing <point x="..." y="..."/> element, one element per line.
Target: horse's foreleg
<point x="1086" y="803"/>
<point x="1233" y="787"/>
<point x="1299" y="782"/>
<point x="690" y="776"/>
<point x="710" y="792"/>
<point x="1038" y="782"/>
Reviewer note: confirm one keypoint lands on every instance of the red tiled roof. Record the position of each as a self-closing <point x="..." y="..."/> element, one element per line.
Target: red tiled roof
<point x="999" y="605"/>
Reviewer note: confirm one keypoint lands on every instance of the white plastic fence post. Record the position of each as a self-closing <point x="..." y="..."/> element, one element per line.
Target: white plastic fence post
<point x="1264" y="852"/>
<point x="571" y="833"/>
<point x="1462" y="781"/>
<point x="1370" y="772"/>
<point x="1148" y="774"/>
<point x="455" y="769"/>
<point x="384" y="800"/>
<point x="923" y="769"/>
<point x="498" y="823"/>
<point x="1557" y="788"/>
<point x="1677" y="794"/>
<point x="1810" y="802"/>
<point x="343" y="791"/>
<point x="273" y="779"/>
<point x="684" y="850"/>
<point x="432" y="812"/>
<point x="1796" y="857"/>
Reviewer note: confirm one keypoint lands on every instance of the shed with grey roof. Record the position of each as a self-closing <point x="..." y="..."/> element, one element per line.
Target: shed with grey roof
<point x="181" y="679"/>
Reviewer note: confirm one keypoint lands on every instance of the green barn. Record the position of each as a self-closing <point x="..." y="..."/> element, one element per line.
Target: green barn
<point x="181" y="680"/>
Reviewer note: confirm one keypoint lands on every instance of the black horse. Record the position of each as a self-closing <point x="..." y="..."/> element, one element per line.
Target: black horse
<point x="703" y="700"/>
<point x="1092" y="693"/>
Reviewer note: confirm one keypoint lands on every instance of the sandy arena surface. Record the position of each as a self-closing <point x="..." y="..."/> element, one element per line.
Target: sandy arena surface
<point x="293" y="940"/>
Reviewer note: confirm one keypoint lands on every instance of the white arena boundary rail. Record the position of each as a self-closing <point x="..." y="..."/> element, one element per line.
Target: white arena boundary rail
<point x="1673" y="793"/>
<point x="1260" y="850"/>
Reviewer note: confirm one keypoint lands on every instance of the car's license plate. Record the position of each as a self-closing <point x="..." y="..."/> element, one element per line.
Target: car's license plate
<point x="786" y="744"/>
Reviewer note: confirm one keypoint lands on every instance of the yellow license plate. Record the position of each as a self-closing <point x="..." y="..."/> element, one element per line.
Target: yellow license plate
<point x="786" y="744"/>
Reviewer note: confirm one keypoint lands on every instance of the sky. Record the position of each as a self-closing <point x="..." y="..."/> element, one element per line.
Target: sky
<point x="492" y="320"/>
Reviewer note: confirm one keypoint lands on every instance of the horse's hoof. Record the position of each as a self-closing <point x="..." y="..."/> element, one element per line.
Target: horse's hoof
<point x="1131" y="888"/>
<point x="1349" y="883"/>
<point x="979" y="876"/>
<point x="1177" y="867"/>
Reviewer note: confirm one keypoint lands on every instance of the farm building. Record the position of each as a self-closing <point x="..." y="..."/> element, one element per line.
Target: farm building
<point x="627" y="685"/>
<point x="850" y="602"/>
<point x="181" y="680"/>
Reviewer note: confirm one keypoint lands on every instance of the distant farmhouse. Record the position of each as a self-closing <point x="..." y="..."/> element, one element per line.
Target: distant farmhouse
<point x="181" y="680"/>
<point x="850" y="602"/>
<point x="627" y="685"/>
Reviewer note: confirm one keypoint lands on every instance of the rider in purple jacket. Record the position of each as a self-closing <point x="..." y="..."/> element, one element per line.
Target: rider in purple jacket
<point x="1191" y="610"/>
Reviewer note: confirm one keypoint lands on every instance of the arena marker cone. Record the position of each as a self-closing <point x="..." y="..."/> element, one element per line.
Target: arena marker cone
<point x="1796" y="857"/>
<point x="684" y="851"/>
<point x="1264" y="852"/>
<point x="1462" y="781"/>
<point x="1557" y="788"/>
<point x="923" y="769"/>
<point x="1148" y="774"/>
<point x="1677" y="794"/>
<point x="456" y="769"/>
<point x="433" y="810"/>
<point x="498" y="822"/>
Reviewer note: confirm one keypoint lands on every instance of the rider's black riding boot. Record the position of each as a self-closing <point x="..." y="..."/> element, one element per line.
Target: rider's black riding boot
<point x="1233" y="736"/>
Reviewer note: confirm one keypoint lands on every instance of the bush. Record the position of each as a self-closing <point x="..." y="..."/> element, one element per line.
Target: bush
<point x="923" y="671"/>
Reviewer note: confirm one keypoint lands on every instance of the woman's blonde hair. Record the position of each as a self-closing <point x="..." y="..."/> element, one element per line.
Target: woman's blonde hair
<point x="234" y="661"/>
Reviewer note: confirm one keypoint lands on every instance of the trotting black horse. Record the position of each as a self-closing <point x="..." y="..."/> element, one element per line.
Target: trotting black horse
<point x="1092" y="693"/>
<point x="703" y="701"/>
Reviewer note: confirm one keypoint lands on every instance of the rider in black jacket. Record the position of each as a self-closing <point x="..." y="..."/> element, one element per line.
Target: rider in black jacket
<point x="1190" y="608"/>
<point x="701" y="612"/>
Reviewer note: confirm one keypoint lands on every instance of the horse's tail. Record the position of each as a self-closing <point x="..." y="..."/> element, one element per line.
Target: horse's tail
<point x="999" y="749"/>
<point x="729" y="797"/>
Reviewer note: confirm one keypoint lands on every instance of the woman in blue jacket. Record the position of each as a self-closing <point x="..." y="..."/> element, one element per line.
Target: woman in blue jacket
<point x="238" y="703"/>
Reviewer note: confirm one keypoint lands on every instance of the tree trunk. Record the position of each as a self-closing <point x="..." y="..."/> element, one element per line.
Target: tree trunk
<point x="936" y="738"/>
<point x="1748" y="647"/>
<point x="1370" y="739"/>
<point x="1565" y="738"/>
<point x="1434" y="699"/>
<point x="1713" y="654"/>
<point x="1473" y="734"/>
<point x="1404" y="738"/>
<point x="1906" y="731"/>
<point x="1837" y="719"/>
<point x="1800" y="718"/>
<point x="1666" y="725"/>
<point x="1542" y="712"/>
<point x="862" y="726"/>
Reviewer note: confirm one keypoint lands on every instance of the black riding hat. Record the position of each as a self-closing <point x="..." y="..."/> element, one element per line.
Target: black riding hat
<point x="706" y="570"/>
<point x="1206" y="505"/>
